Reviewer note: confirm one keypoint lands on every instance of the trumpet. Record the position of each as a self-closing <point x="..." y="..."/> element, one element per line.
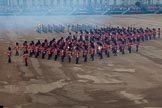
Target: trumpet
<point x="99" y="47"/>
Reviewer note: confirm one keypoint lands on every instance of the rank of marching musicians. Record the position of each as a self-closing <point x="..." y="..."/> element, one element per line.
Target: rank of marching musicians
<point x="41" y="28"/>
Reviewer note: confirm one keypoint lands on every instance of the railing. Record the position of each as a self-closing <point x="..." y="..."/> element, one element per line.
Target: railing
<point x="126" y="11"/>
<point x="157" y="11"/>
<point x="106" y="11"/>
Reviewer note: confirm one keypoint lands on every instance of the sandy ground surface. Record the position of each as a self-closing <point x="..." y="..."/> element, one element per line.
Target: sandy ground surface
<point x="129" y="81"/>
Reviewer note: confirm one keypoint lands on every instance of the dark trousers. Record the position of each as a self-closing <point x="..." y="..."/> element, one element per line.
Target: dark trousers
<point x="130" y="50"/>
<point x="100" y="54"/>
<point x="85" y="58"/>
<point x="43" y="55"/>
<point x="115" y="53"/>
<point x="108" y="54"/>
<point x="69" y="59"/>
<point x="62" y="58"/>
<point x="154" y="36"/>
<point x="36" y="54"/>
<point x="92" y="57"/>
<point x="55" y="57"/>
<point x="120" y="48"/>
<point x="31" y="54"/>
<point x="137" y="48"/>
<point x="105" y="52"/>
<point x="26" y="63"/>
<point x="17" y="53"/>
<point x="9" y="59"/>
<point x="77" y="60"/>
<point x="123" y="52"/>
<point x="49" y="56"/>
<point x="150" y="37"/>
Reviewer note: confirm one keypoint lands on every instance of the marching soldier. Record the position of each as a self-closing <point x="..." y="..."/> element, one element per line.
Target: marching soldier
<point x="56" y="53"/>
<point x="26" y="57"/>
<point x="107" y="49"/>
<point x="120" y="46"/>
<point x="123" y="49"/>
<point x="24" y="47"/>
<point x="49" y="51"/>
<point x="100" y="52"/>
<point x="17" y="49"/>
<point x="85" y="52"/>
<point x="108" y="52"/>
<point x="129" y="47"/>
<point x="137" y="46"/>
<point x="36" y="51"/>
<point x="31" y="50"/>
<point x="154" y="33"/>
<point x="158" y="32"/>
<point x="9" y="53"/>
<point x="43" y="52"/>
<point x="62" y="55"/>
<point x="150" y="34"/>
<point x="69" y="53"/>
<point x="115" y="49"/>
<point x="77" y="53"/>
<point x="92" y="52"/>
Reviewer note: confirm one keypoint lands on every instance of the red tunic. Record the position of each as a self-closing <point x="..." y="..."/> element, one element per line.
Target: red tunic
<point x="115" y="47"/>
<point x="36" y="49"/>
<point x="55" y="51"/>
<point x="85" y="53"/>
<point x="62" y="52"/>
<point x="129" y="45"/>
<point x="69" y="54"/>
<point x="49" y="51"/>
<point x="17" y="47"/>
<point x="92" y="51"/>
<point x="137" y="43"/>
<point x="77" y="53"/>
<point x="120" y="45"/>
<point x="26" y="57"/>
<point x="30" y="48"/>
<point x="9" y="53"/>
